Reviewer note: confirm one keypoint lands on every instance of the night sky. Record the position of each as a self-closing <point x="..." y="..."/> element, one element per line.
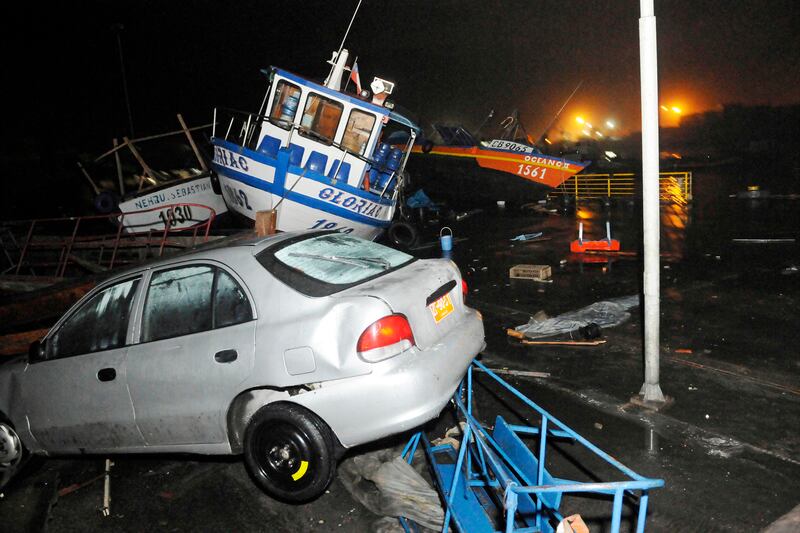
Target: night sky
<point x="451" y="61"/>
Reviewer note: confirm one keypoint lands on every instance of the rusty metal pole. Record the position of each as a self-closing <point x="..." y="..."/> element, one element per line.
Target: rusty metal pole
<point x="648" y="61"/>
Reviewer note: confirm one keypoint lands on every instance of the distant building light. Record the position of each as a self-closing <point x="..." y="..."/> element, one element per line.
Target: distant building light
<point x="586" y="132"/>
<point x="610" y="124"/>
<point x="599" y="134"/>
<point x="589" y="126"/>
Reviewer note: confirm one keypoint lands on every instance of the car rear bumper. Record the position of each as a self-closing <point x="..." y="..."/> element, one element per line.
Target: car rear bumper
<point x="402" y="392"/>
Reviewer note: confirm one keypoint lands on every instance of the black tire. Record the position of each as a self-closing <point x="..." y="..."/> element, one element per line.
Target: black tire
<point x="402" y="234"/>
<point x="106" y="202"/>
<point x="13" y="455"/>
<point x="289" y="452"/>
<point x="215" y="186"/>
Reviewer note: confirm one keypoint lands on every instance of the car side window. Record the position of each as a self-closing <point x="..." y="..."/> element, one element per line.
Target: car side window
<point x="99" y="324"/>
<point x="231" y="305"/>
<point x="178" y="302"/>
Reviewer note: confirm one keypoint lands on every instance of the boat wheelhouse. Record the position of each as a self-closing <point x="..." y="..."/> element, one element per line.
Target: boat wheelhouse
<point x="314" y="154"/>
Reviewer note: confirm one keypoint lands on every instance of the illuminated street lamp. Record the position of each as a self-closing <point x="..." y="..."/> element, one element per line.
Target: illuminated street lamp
<point x="579" y="120"/>
<point x="610" y="124"/>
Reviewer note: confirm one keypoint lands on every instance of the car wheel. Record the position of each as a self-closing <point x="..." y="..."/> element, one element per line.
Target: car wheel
<point x="12" y="452"/>
<point x="290" y="452"/>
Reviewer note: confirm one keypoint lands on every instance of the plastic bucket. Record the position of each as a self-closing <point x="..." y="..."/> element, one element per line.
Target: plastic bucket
<point x="446" y="240"/>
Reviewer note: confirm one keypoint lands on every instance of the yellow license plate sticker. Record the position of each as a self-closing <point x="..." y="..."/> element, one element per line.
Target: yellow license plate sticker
<point x="441" y="308"/>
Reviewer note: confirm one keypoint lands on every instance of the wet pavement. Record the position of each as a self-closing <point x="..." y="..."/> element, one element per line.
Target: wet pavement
<point x="728" y="447"/>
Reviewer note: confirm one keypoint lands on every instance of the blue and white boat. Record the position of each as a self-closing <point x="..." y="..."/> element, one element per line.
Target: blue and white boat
<point x="314" y="154"/>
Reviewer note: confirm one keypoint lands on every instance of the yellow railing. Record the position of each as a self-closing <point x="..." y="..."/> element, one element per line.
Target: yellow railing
<point x="675" y="187"/>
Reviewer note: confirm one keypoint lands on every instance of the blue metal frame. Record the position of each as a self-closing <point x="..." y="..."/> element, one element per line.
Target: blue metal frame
<point x="495" y="473"/>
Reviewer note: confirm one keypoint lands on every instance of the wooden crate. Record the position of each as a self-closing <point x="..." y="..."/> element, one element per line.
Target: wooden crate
<point x="535" y="272"/>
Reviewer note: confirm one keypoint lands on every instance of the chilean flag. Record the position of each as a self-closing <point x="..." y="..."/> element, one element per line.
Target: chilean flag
<point x="355" y="77"/>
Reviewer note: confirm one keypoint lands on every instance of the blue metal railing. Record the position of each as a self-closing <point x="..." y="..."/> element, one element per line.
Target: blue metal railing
<point x="501" y="464"/>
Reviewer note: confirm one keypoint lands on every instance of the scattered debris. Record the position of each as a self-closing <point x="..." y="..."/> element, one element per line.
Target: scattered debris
<point x="604" y="314"/>
<point x="531" y="272"/>
<point x="467" y="214"/>
<point x="388" y="486"/>
<point x="763" y="241"/>
<point x="522" y="373"/>
<point x="528" y="236"/>
<point x="420" y="199"/>
<point x="572" y="524"/>
<point x="69" y="489"/>
<point x="107" y="489"/>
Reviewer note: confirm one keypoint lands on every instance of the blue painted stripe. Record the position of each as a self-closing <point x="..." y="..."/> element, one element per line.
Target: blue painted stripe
<point x="297" y="197"/>
<point x="334" y="210"/>
<point x="316" y="176"/>
<point x="247" y="179"/>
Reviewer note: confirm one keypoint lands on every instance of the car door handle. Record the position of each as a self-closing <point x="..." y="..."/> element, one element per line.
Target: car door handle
<point x="106" y="374"/>
<point x="226" y="356"/>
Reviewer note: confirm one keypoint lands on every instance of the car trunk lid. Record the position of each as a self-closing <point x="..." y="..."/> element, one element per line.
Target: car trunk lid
<point x="427" y="292"/>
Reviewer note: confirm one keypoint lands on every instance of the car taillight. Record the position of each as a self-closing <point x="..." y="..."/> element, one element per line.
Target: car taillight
<point x="464" y="288"/>
<point x="385" y="338"/>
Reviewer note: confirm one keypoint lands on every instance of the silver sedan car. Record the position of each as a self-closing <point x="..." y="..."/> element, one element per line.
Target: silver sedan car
<point x="287" y="349"/>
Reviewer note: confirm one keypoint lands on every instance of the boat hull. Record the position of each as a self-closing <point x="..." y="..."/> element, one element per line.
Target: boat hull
<point x="303" y="199"/>
<point x="144" y="213"/>
<point x="477" y="176"/>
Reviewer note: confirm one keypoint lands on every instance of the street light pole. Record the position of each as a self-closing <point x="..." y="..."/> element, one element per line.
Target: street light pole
<point x="118" y="28"/>
<point x="648" y="63"/>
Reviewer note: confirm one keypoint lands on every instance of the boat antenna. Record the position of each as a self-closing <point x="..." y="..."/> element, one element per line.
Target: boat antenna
<point x="345" y="37"/>
<point x="562" y="109"/>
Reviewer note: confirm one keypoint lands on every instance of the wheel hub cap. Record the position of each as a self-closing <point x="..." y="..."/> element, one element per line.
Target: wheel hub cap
<point x="10" y="449"/>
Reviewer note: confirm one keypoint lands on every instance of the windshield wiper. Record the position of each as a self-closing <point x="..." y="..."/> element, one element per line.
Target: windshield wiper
<point x="363" y="262"/>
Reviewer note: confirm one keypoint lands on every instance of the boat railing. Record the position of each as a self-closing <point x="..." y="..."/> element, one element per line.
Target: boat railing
<point x="62" y="247"/>
<point x="674" y="187"/>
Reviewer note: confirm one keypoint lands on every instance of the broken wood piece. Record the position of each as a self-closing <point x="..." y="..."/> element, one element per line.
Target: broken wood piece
<point x="18" y="343"/>
<point x="564" y="343"/>
<point x="107" y="489"/>
<point x="69" y="489"/>
<point x="522" y="373"/>
<point x="521" y="336"/>
<point x="266" y="222"/>
<point x="514" y="333"/>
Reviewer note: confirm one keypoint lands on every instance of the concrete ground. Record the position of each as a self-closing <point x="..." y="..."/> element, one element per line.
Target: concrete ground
<point x="728" y="448"/>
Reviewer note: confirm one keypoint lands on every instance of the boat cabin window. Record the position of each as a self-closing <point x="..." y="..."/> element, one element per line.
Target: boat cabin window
<point x="321" y="116"/>
<point x="359" y="128"/>
<point x="284" y="104"/>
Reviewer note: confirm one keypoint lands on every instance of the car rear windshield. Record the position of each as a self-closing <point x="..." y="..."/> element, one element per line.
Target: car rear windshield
<point x="319" y="265"/>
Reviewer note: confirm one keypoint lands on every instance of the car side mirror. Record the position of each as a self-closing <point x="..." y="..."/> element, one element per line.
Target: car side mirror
<point x="37" y="351"/>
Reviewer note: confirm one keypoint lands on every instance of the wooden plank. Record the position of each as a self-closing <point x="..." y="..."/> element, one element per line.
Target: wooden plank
<point x="197" y="153"/>
<point x="18" y="343"/>
<point x="43" y="306"/>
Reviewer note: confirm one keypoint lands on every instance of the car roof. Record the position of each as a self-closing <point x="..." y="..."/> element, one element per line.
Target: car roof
<point x="245" y="240"/>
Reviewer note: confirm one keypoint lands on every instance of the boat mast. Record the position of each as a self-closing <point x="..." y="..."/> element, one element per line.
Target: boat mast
<point x="334" y="79"/>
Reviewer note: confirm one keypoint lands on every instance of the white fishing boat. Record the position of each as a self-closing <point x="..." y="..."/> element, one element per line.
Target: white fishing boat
<point x="153" y="197"/>
<point x="314" y="154"/>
